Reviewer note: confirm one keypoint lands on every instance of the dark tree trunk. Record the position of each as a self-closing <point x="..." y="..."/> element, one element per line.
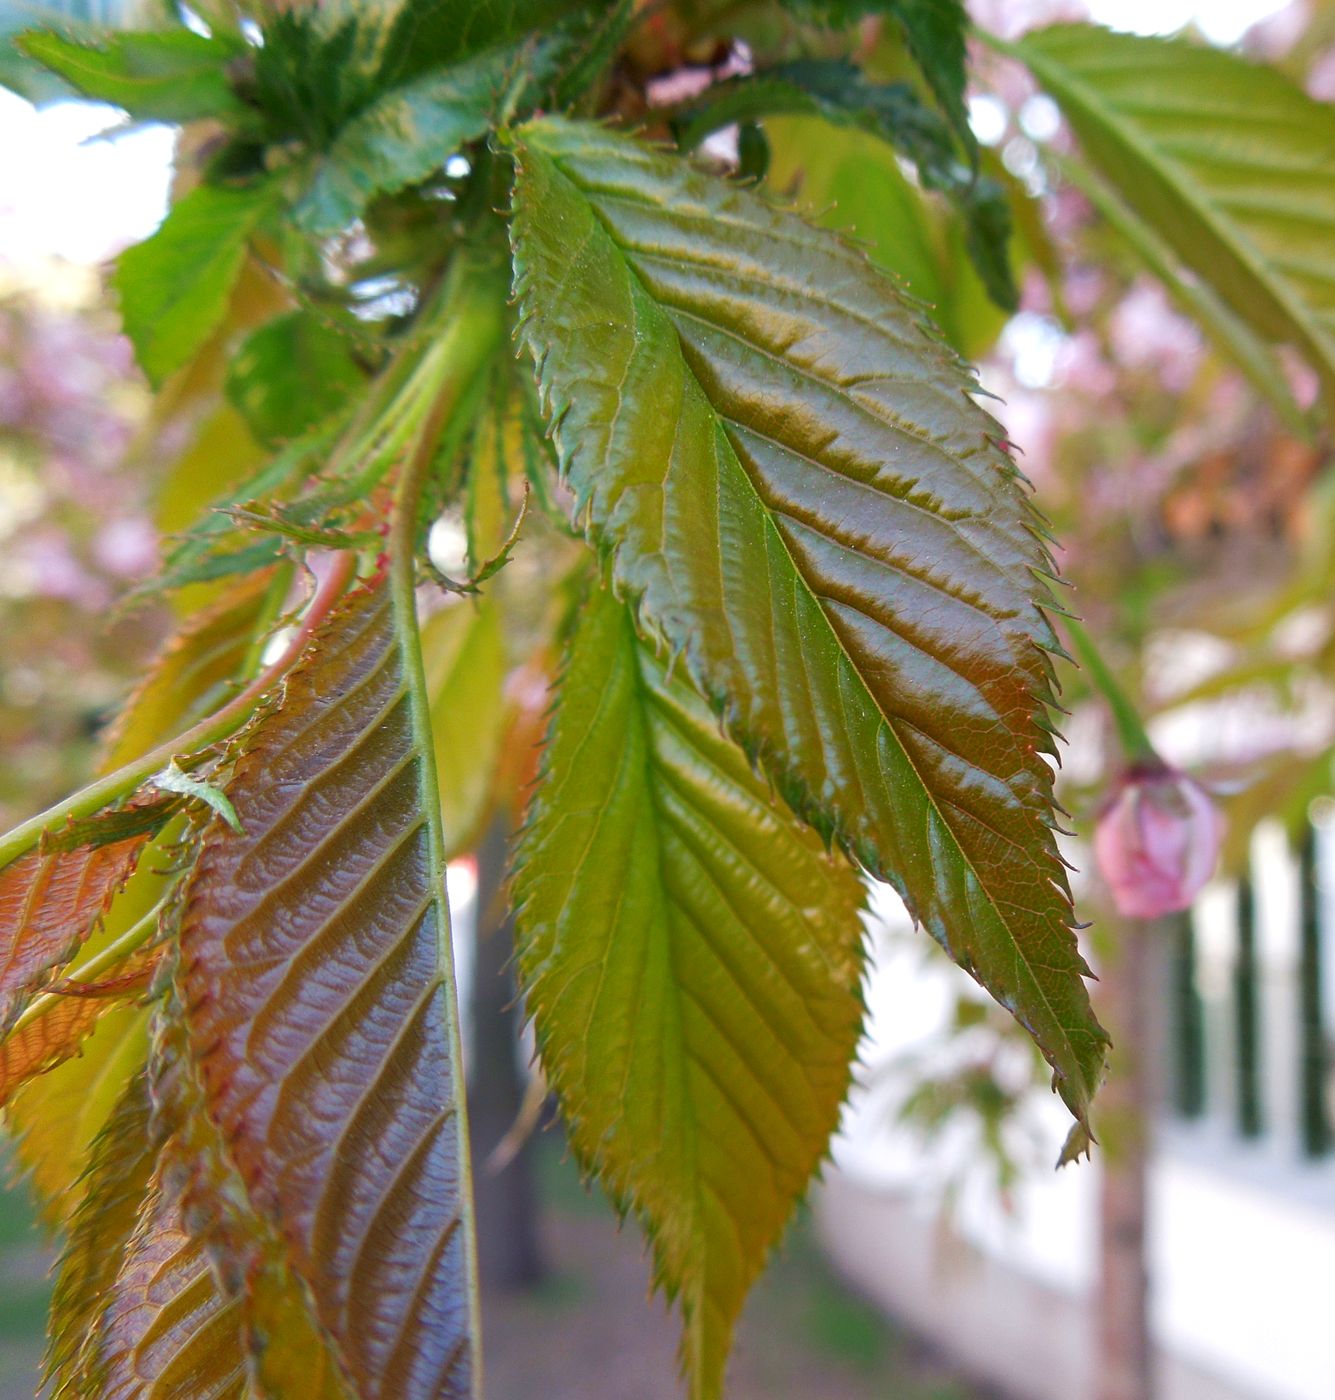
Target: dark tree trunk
<point x="509" y="1253"/>
<point x="1124" y="1355"/>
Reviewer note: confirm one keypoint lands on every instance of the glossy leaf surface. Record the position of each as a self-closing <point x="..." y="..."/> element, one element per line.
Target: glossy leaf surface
<point x="893" y="112"/>
<point x="1229" y="162"/>
<point x="800" y="495"/>
<point x="851" y="182"/>
<point x="49" y="904"/>
<point x="691" y="958"/>
<point x="314" y="956"/>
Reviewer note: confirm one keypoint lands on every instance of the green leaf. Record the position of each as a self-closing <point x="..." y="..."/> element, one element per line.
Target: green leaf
<point x="463" y="653"/>
<point x="429" y="34"/>
<point x="315" y="973"/>
<point x="315" y="71"/>
<point x="851" y="182"/>
<point x="292" y="374"/>
<point x="496" y="452"/>
<point x="174" y="286"/>
<point x="691" y="957"/>
<point x="1228" y="162"/>
<point x="1229" y="335"/>
<point x="402" y="138"/>
<point x="933" y="32"/>
<point x="838" y="92"/>
<point x="155" y="75"/>
<point x="174" y="779"/>
<point x="800" y="495"/>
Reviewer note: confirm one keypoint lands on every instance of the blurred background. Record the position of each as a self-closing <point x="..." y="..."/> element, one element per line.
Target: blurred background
<point x="941" y="1258"/>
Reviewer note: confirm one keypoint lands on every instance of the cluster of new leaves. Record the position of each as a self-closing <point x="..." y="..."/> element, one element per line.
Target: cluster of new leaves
<point x="809" y="641"/>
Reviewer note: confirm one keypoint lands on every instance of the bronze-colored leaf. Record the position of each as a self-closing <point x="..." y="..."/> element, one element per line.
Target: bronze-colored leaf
<point x="314" y="958"/>
<point x="59" y="1034"/>
<point x="119" y="1173"/>
<point x="49" y="904"/>
<point x="166" y="1330"/>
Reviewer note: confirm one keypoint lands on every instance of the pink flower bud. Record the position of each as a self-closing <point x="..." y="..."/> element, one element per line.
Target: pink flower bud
<point x="1156" y="842"/>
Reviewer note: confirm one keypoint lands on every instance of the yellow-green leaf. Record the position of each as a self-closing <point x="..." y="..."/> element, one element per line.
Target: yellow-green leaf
<point x="691" y="958"/>
<point x="800" y="496"/>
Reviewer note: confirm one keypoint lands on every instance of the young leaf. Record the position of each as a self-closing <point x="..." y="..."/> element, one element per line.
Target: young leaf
<point x="288" y="1354"/>
<point x="430" y="34"/>
<point x="59" y="1034"/>
<point x="174" y="286"/>
<point x="165" y="1330"/>
<point x="291" y="374"/>
<point x="852" y="182"/>
<point x="463" y="653"/>
<point x="155" y="75"/>
<point x="55" y="1118"/>
<point x="893" y="112"/>
<point x="314" y="965"/>
<point x="691" y="957"/>
<point x="1229" y="162"/>
<point x="401" y="138"/>
<point x="119" y="1172"/>
<point x="173" y="778"/>
<point x="800" y="495"/>
<point x="50" y="901"/>
<point x="197" y="671"/>
<point x="934" y="33"/>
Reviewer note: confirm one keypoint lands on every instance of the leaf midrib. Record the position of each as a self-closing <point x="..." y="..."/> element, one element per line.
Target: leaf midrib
<point x="1080" y="1090"/>
<point x="1178" y="182"/>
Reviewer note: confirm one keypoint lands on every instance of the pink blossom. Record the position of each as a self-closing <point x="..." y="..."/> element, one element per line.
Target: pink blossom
<point x="126" y="548"/>
<point x="1157" y="841"/>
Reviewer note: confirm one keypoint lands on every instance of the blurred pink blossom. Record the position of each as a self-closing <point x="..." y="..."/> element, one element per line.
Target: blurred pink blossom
<point x="1147" y="333"/>
<point x="1011" y="18"/>
<point x="127" y="548"/>
<point x="1157" y="842"/>
<point x="55" y="571"/>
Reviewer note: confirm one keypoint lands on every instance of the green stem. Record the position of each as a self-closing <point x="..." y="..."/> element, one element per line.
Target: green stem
<point x="222" y="724"/>
<point x="1136" y="746"/>
<point x="475" y="301"/>
<point x="111" y="956"/>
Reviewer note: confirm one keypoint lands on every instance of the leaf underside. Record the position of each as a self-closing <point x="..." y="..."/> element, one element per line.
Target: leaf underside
<point x="691" y="957"/>
<point x="51" y="1039"/>
<point x="49" y="904"/>
<point x="1228" y="161"/>
<point x="800" y="496"/>
<point x="313" y="950"/>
